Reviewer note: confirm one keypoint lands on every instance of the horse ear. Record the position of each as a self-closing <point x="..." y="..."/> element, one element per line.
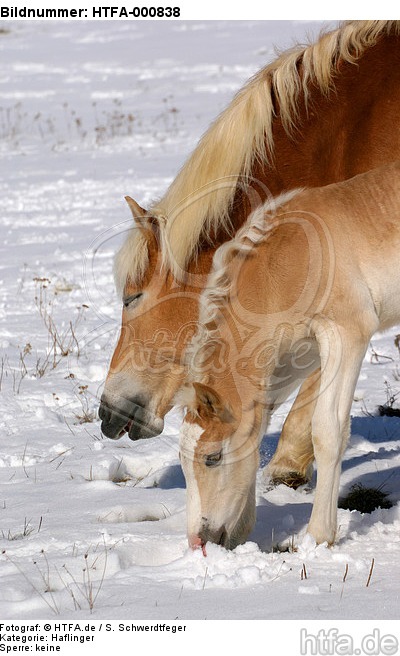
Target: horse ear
<point x="138" y="212"/>
<point x="210" y="404"/>
<point x="141" y="217"/>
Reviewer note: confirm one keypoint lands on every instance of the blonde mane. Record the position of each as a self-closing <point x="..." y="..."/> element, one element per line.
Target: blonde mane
<point x="199" y="200"/>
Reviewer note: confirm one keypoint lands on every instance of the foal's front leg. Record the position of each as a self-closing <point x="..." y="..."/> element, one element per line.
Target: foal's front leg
<point x="341" y="359"/>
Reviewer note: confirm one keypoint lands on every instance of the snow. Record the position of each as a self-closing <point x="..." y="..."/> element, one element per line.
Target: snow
<point x="90" y="112"/>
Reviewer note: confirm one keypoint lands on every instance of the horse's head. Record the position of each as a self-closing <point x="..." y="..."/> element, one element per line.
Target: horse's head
<point x="158" y="320"/>
<point x="220" y="467"/>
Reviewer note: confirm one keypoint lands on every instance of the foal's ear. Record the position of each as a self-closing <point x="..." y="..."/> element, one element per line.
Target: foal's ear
<point x="210" y="404"/>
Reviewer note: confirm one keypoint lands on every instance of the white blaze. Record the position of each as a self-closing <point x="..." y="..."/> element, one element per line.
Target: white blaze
<point x="190" y="435"/>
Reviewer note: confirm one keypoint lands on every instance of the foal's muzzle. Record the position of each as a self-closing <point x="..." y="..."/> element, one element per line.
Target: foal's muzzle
<point x="219" y="536"/>
<point x="131" y="417"/>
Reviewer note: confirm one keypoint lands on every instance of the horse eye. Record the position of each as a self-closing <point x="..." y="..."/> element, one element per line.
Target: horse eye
<point x="131" y="299"/>
<point x="213" y="459"/>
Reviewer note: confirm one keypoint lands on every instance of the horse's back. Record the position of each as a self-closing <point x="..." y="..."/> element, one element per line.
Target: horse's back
<point x="332" y="249"/>
<point x="362" y="205"/>
<point x="360" y="219"/>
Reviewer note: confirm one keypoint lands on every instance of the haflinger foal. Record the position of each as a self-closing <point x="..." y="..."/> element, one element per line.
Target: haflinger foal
<point x="298" y="292"/>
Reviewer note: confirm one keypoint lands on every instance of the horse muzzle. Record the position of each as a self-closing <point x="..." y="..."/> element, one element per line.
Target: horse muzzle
<point x="130" y="417"/>
<point x="219" y="536"/>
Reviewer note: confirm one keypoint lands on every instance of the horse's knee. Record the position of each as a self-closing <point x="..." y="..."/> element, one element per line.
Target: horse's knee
<point x="330" y="434"/>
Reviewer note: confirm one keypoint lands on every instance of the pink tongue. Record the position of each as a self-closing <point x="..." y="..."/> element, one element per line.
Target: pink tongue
<point x="196" y="543"/>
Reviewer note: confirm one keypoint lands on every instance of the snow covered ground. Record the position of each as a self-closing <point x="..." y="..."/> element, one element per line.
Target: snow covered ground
<point x="90" y="112"/>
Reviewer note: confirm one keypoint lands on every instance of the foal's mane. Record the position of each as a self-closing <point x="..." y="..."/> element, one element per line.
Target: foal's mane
<point x="199" y="200"/>
<point x="222" y="274"/>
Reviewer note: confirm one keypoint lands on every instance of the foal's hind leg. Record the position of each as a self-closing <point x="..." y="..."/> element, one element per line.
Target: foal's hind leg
<point x="292" y="461"/>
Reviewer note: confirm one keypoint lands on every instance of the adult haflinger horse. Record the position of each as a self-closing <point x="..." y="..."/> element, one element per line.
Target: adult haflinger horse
<point x="302" y="287"/>
<point x="314" y="116"/>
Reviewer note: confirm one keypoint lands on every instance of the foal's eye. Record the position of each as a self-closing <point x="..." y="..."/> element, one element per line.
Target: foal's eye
<point x="130" y="300"/>
<point x="213" y="459"/>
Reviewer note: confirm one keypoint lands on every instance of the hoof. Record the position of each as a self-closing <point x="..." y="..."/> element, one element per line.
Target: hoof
<point x="290" y="479"/>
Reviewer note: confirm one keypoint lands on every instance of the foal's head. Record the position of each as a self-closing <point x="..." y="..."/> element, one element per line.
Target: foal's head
<point x="220" y="461"/>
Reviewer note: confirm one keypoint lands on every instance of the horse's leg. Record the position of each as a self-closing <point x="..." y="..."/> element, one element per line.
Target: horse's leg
<point x="292" y="461"/>
<point x="341" y="358"/>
